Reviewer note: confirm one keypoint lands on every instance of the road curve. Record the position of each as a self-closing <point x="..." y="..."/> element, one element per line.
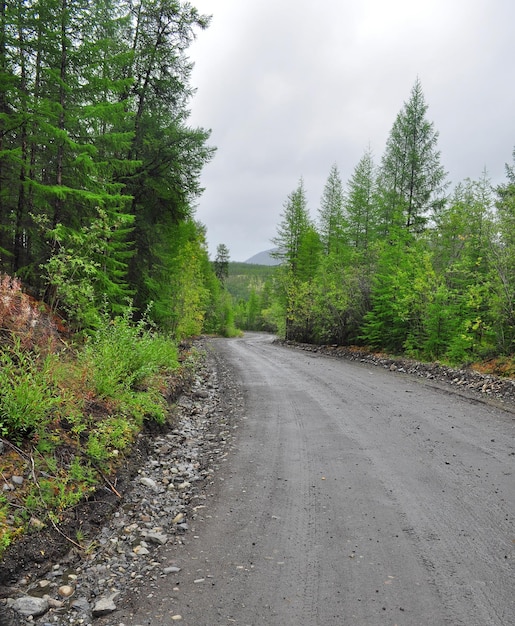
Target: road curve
<point x="354" y="496"/>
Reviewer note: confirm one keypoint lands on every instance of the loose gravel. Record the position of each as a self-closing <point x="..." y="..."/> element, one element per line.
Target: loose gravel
<point x="157" y="510"/>
<point x="170" y="490"/>
<point x="500" y="391"/>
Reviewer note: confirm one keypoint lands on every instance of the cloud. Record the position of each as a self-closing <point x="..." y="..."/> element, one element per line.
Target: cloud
<point x="291" y="87"/>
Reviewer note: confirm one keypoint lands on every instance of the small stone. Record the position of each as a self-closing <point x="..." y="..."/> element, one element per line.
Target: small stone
<point x="176" y="618"/>
<point x="171" y="570"/>
<point x="30" y="606"/>
<point x="17" y="480"/>
<point x="130" y="529"/>
<point x="104" y="606"/>
<point x="157" y="538"/>
<point x="148" y="482"/>
<point x="81" y="605"/>
<point x="65" y="591"/>
<point x="36" y="523"/>
<point x="140" y="550"/>
<point x="178" y="518"/>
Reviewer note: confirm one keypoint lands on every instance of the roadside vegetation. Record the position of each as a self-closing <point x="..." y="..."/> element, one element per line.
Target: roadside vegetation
<point x="71" y="407"/>
<point x="395" y="260"/>
<point x="103" y="268"/>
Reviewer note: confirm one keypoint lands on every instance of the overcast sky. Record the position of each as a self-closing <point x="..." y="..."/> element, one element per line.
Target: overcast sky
<point x="289" y="87"/>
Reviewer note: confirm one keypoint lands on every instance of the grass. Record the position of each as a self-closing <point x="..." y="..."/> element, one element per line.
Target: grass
<point x="68" y="419"/>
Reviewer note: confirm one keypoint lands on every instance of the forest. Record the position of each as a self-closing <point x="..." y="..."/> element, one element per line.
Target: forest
<point x="396" y="260"/>
<point x="99" y="169"/>
<point x="104" y="269"/>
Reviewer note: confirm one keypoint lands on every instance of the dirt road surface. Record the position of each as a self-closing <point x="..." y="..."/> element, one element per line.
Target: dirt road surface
<point x="352" y="496"/>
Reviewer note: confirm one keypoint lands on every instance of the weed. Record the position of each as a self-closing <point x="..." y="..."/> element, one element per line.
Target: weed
<point x="26" y="399"/>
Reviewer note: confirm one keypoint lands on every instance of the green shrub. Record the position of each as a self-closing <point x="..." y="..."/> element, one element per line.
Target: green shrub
<point x="27" y="399"/>
<point x="121" y="355"/>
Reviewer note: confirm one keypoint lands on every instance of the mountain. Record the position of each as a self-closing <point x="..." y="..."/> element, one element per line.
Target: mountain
<point x="263" y="258"/>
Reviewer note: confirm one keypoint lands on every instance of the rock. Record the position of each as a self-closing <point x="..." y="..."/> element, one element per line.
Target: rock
<point x="30" y="606"/>
<point x="36" y="523"/>
<point x="105" y="605"/>
<point x="157" y="538"/>
<point x="81" y="605"/>
<point x="53" y="603"/>
<point x="17" y="480"/>
<point x="171" y="570"/>
<point x="148" y="482"/>
<point x="65" y="591"/>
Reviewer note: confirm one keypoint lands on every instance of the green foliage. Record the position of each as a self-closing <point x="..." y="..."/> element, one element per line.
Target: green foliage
<point x="339" y="300"/>
<point x="121" y="355"/>
<point x="396" y="264"/>
<point x="361" y="219"/>
<point x="411" y="181"/>
<point x="97" y="161"/>
<point x="292" y="230"/>
<point x="27" y="398"/>
<point x="331" y="219"/>
<point x="244" y="278"/>
<point x="75" y="414"/>
<point x="221" y="262"/>
<point x="88" y="268"/>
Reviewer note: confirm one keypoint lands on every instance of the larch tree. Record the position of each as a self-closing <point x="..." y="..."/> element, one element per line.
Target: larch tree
<point x="298" y="248"/>
<point x="412" y="180"/>
<point x="292" y="229"/>
<point x="503" y="263"/>
<point x="359" y="203"/>
<point x="330" y="215"/>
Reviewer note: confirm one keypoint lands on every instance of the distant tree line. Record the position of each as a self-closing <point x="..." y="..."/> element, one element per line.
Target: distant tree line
<point x="99" y="169"/>
<point x="396" y="262"/>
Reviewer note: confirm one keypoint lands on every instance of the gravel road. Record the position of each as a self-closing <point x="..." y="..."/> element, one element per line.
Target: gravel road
<point x="350" y="496"/>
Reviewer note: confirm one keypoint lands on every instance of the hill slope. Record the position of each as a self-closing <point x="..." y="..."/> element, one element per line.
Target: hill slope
<point x="263" y="258"/>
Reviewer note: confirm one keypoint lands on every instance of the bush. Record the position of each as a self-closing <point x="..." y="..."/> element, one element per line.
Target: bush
<point x="122" y="355"/>
<point x="27" y="398"/>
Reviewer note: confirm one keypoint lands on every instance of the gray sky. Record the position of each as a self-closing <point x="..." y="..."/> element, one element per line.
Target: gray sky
<point x="289" y="87"/>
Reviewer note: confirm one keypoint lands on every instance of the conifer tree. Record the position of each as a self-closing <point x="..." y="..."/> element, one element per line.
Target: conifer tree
<point x="292" y="229"/>
<point x="331" y="220"/>
<point x="411" y="181"/>
<point x="221" y="262"/>
<point x="360" y="204"/>
<point x="503" y="263"/>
